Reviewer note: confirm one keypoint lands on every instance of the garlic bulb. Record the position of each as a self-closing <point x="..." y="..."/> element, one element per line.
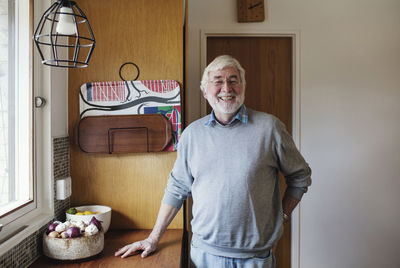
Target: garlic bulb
<point x="80" y="224"/>
<point x="61" y="227"/>
<point x="91" y="229"/>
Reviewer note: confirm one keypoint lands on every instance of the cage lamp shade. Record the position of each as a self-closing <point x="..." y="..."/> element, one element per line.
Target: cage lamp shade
<point x="64" y="37"/>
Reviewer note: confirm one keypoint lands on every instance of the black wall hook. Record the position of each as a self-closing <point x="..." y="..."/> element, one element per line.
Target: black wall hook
<point x="126" y="63"/>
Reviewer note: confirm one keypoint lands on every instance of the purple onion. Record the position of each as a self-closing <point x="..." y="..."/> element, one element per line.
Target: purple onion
<point x="73" y="232"/>
<point x="52" y="227"/>
<point x="96" y="222"/>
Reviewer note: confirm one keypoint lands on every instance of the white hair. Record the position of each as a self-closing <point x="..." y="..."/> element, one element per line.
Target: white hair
<point x="220" y="63"/>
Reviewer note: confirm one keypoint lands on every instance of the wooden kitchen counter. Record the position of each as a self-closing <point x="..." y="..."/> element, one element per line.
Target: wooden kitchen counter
<point x="168" y="253"/>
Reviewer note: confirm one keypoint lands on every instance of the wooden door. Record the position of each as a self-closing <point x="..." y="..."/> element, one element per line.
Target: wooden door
<point x="268" y="65"/>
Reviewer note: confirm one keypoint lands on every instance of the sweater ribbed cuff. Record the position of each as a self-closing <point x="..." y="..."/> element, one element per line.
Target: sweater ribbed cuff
<point x="295" y="192"/>
<point x="172" y="200"/>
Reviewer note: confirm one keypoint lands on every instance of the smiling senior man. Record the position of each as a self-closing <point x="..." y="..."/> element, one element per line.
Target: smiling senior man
<point x="228" y="162"/>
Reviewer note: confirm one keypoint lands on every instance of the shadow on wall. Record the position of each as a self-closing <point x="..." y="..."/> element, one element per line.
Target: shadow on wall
<point x="119" y="217"/>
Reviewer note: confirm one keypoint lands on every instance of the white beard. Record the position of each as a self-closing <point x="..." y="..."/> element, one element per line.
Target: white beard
<point x="223" y="107"/>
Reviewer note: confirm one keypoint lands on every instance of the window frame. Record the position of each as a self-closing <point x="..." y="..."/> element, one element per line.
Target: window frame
<point x="11" y="84"/>
<point x="15" y="209"/>
<point x="34" y="215"/>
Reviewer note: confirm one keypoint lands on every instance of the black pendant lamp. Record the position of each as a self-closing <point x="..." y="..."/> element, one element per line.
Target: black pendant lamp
<point x="66" y="30"/>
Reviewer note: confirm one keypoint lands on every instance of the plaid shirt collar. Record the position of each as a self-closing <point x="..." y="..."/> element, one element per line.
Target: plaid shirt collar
<point x="242" y="116"/>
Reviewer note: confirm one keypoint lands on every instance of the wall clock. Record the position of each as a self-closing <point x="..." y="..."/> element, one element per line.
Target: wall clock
<point x="250" y="10"/>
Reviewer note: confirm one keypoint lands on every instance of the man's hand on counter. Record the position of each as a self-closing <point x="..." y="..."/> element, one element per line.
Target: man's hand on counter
<point x="147" y="245"/>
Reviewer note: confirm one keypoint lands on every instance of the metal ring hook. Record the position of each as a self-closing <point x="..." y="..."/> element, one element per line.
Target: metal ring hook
<point x="137" y="68"/>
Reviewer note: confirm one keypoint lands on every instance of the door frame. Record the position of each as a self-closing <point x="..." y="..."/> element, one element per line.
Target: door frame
<point x="296" y="119"/>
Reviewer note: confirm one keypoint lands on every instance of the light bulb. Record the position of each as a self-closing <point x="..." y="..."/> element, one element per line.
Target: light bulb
<point x="66" y="24"/>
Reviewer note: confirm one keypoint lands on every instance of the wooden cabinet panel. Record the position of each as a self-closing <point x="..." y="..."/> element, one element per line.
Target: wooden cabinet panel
<point x="149" y="33"/>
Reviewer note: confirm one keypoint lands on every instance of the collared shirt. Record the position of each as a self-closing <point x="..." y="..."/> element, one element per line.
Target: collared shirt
<point x="242" y="116"/>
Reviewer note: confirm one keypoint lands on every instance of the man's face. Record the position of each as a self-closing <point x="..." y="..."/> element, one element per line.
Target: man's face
<point x="224" y="92"/>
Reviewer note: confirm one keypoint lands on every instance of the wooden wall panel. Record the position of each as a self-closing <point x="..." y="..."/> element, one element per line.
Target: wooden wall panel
<point x="149" y="33"/>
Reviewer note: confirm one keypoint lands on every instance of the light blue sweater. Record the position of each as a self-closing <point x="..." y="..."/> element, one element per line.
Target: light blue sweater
<point x="232" y="174"/>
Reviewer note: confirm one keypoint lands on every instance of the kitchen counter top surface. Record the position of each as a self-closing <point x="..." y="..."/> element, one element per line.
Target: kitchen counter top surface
<point x="168" y="253"/>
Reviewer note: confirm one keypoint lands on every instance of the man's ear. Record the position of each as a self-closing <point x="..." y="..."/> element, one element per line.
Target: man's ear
<point x="204" y="94"/>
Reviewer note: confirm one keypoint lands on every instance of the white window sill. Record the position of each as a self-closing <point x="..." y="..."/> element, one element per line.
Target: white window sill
<point x="33" y="225"/>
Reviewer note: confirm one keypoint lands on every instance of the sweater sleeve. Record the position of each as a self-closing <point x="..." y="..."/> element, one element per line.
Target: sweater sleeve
<point x="291" y="163"/>
<point x="180" y="180"/>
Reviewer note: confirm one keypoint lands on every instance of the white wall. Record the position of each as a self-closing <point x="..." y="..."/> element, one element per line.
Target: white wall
<point x="349" y="103"/>
<point x="56" y="79"/>
<point x="59" y="102"/>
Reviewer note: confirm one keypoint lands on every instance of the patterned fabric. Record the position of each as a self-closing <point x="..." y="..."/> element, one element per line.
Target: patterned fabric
<point x="160" y="86"/>
<point x="173" y="113"/>
<point x="106" y="91"/>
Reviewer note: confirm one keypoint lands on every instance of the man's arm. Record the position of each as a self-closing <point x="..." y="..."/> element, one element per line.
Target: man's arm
<point x="294" y="168"/>
<point x="288" y="204"/>
<point x="166" y="214"/>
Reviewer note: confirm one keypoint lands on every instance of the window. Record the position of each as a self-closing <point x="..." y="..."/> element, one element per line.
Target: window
<point x="26" y="185"/>
<point x="25" y="191"/>
<point x="16" y="169"/>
